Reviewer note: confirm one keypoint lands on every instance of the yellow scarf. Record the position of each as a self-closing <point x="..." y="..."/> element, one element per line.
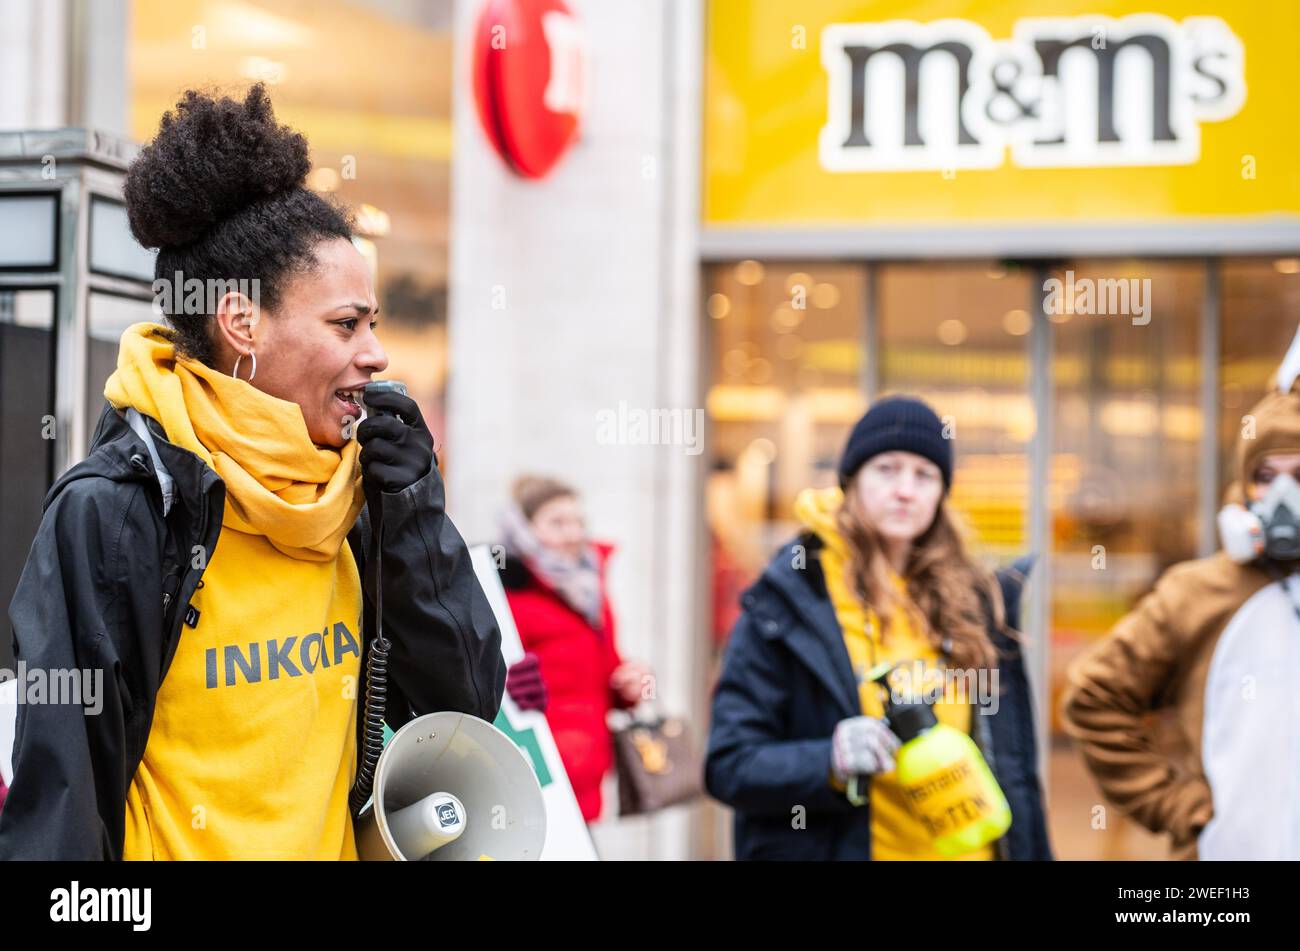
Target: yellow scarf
<point x="302" y="497"/>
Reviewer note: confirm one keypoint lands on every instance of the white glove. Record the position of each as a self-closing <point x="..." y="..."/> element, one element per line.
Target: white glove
<point x="862" y="745"/>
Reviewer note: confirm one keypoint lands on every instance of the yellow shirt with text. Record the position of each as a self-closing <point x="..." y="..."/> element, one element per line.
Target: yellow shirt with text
<point x="252" y="750"/>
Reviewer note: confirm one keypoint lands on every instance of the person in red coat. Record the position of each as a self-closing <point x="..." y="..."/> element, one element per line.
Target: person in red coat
<point x="555" y="581"/>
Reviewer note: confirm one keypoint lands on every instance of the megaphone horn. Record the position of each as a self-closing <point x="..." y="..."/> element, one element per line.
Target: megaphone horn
<point x="450" y="787"/>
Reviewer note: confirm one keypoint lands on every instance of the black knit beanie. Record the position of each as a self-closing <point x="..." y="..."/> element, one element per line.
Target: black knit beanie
<point x="897" y="423"/>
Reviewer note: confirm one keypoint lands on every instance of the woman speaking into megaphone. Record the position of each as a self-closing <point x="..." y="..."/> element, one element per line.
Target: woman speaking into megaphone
<point x="211" y="563"/>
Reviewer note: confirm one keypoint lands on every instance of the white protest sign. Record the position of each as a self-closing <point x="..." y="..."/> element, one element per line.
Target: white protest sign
<point x="567" y="838"/>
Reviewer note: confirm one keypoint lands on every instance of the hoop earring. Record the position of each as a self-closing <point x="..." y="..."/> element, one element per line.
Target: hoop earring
<point x="235" y="371"/>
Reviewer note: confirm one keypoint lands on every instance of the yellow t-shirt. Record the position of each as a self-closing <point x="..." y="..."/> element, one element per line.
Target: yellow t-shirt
<point x="252" y="750"/>
<point x="895" y="831"/>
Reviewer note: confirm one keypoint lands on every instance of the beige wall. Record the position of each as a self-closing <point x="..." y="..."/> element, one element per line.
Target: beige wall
<point x="593" y="272"/>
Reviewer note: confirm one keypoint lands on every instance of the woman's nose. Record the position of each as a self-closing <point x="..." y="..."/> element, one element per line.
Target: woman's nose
<point x="374" y="358"/>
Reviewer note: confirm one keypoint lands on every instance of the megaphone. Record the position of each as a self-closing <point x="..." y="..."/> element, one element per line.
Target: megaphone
<point x="451" y="787"/>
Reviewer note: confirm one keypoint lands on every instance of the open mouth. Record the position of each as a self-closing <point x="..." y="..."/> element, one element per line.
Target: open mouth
<point x="350" y="400"/>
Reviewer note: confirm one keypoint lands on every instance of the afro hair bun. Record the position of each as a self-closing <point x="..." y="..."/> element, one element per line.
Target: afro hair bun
<point x="211" y="158"/>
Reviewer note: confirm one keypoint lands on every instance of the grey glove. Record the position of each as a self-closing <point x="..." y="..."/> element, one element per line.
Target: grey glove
<point x="862" y="745"/>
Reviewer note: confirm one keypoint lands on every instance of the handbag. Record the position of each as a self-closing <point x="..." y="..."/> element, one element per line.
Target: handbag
<point x="656" y="763"/>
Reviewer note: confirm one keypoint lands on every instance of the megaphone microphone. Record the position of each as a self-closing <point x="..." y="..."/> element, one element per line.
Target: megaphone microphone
<point x="434" y="821"/>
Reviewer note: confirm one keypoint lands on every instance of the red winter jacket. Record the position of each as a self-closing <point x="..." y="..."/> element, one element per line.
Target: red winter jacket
<point x="576" y="662"/>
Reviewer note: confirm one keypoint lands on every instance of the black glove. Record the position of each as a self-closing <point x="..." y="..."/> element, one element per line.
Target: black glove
<point x="396" y="446"/>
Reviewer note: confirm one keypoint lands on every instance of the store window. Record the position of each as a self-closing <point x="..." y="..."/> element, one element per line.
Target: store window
<point x="957" y="335"/>
<point x="787" y="371"/>
<point x="1126" y="433"/>
<point x="796" y="349"/>
<point x="1128" y="492"/>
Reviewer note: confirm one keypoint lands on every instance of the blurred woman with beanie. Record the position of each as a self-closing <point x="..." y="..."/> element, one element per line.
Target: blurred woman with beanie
<point x="555" y="581"/>
<point x="879" y="574"/>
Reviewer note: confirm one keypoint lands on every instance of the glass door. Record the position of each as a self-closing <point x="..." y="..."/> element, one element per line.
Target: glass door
<point x="1124" y="499"/>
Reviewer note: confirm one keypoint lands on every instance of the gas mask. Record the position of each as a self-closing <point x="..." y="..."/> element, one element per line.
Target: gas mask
<point x="1269" y="528"/>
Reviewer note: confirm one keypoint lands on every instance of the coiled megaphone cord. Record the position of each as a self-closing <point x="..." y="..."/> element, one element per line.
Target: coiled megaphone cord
<point x="376" y="687"/>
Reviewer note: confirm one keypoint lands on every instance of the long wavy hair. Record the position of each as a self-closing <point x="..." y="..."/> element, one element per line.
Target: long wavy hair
<point x="943" y="582"/>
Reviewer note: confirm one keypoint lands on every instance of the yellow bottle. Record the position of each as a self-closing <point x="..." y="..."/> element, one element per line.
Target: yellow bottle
<point x="948" y="785"/>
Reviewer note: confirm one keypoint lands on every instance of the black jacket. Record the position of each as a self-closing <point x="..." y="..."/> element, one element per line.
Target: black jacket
<point x="786" y="682"/>
<point x="106" y="587"/>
